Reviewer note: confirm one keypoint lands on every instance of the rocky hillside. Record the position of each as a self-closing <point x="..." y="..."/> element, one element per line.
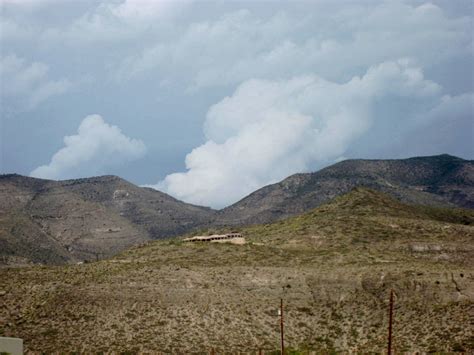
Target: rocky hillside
<point x="333" y="266"/>
<point x="86" y="219"/>
<point x="441" y="180"/>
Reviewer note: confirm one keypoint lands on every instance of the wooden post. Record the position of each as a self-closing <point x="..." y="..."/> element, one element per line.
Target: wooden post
<point x="281" y="328"/>
<point x="390" y="320"/>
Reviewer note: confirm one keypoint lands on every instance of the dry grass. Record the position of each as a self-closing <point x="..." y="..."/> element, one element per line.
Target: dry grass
<point x="333" y="267"/>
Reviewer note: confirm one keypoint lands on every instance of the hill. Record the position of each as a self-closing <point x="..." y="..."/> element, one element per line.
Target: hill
<point x="85" y="219"/>
<point x="55" y="222"/>
<point x="441" y="180"/>
<point x="333" y="266"/>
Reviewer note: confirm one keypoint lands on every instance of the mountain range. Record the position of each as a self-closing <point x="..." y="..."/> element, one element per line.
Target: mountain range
<point x="441" y="180"/>
<point x="55" y="222"/>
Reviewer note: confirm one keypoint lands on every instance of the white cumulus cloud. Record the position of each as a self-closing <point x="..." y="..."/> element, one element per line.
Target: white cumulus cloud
<point x="268" y="130"/>
<point x="96" y="146"/>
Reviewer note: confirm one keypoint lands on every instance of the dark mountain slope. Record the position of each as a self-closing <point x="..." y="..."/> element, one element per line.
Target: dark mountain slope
<point x="85" y="219"/>
<point x="441" y="180"/>
<point x="158" y="213"/>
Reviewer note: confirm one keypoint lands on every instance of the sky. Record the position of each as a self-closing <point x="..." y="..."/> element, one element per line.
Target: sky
<point x="210" y="100"/>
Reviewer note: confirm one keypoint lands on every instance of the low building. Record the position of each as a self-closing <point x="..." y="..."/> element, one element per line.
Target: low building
<point x="210" y="238"/>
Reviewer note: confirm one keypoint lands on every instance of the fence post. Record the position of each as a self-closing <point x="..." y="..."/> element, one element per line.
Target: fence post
<point x="390" y="320"/>
<point x="281" y="328"/>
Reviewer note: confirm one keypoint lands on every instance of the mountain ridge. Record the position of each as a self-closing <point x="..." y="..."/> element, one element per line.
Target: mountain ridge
<point x="46" y="221"/>
<point x="88" y="218"/>
<point x="441" y="180"/>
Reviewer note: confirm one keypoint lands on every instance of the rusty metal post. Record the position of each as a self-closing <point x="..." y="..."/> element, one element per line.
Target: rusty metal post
<point x="281" y="328"/>
<point x="390" y="320"/>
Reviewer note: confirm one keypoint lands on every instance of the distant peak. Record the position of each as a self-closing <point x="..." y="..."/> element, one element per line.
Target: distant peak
<point x="443" y="156"/>
<point x="9" y="176"/>
<point x="15" y="176"/>
<point x="102" y="178"/>
<point x="439" y="156"/>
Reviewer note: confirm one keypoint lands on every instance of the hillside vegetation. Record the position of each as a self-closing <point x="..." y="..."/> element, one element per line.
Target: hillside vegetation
<point x="441" y="180"/>
<point x="333" y="266"/>
<point x="58" y="222"/>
